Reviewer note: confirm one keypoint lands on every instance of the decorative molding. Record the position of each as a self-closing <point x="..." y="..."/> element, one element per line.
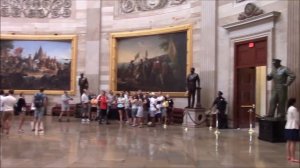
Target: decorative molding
<point x="250" y="10"/>
<point x="244" y="23"/>
<point x="239" y="1"/>
<point x="129" y="6"/>
<point x="35" y="8"/>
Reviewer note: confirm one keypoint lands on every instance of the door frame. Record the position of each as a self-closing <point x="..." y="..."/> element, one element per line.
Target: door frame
<point x="235" y="68"/>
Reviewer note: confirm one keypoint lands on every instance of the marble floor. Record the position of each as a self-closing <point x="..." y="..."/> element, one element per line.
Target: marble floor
<point x="76" y="145"/>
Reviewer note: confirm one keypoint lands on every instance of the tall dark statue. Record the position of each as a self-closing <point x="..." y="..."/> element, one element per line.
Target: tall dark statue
<point x="193" y="82"/>
<point x="282" y="77"/>
<point x="83" y="83"/>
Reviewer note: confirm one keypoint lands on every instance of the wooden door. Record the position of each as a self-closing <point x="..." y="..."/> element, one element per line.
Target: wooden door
<point x="245" y="95"/>
<point x="248" y="55"/>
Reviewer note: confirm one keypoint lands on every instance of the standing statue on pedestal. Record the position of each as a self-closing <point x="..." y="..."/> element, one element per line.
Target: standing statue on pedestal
<point x="83" y="83"/>
<point x="193" y="82"/>
<point x="282" y="77"/>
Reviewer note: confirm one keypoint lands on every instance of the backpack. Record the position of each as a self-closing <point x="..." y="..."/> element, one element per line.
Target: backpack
<point x="39" y="100"/>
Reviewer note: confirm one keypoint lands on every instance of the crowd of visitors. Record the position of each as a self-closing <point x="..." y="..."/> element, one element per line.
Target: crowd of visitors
<point x="133" y="108"/>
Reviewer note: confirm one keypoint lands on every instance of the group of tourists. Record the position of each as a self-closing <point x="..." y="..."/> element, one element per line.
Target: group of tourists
<point x="134" y="108"/>
<point x="9" y="105"/>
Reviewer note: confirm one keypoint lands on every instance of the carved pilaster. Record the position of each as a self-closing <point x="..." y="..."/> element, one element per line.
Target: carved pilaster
<point x="293" y="50"/>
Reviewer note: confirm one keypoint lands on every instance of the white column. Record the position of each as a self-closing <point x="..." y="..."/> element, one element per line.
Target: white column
<point x="92" y="56"/>
<point x="207" y="58"/>
<point x="293" y="50"/>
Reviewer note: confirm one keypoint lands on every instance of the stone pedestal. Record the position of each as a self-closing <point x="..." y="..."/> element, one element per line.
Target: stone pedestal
<point x="194" y="117"/>
<point x="271" y="130"/>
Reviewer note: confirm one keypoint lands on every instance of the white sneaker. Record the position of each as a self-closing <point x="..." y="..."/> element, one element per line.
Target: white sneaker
<point x="87" y="120"/>
<point x="82" y="120"/>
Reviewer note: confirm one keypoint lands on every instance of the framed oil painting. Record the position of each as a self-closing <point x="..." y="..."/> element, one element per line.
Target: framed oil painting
<point x="151" y="60"/>
<point x="31" y="62"/>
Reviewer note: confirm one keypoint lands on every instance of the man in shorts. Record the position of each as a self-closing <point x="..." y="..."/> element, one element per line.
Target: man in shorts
<point x="9" y="102"/>
<point x="40" y="104"/>
<point x="65" y="106"/>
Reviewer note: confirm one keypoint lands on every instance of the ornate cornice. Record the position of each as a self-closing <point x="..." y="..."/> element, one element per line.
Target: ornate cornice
<point x="36" y="8"/>
<point x="129" y="6"/>
<point x="267" y="17"/>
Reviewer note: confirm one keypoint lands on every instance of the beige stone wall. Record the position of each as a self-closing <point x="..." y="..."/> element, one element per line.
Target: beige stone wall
<point x="228" y="13"/>
<point x="112" y="21"/>
<point x="94" y="20"/>
<point x="84" y="22"/>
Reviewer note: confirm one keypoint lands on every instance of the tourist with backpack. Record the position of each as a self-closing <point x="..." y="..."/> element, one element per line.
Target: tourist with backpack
<point x="39" y="101"/>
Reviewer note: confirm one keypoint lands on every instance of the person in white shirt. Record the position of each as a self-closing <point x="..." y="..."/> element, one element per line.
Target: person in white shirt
<point x="1" y="106"/>
<point x="8" y="110"/>
<point x="292" y="130"/>
<point x="121" y="106"/>
<point x="65" y="106"/>
<point x="85" y="106"/>
<point x="153" y="109"/>
<point x="160" y="99"/>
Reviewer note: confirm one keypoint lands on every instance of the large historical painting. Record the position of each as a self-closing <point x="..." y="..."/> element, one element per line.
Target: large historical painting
<point x="155" y="60"/>
<point x="29" y="63"/>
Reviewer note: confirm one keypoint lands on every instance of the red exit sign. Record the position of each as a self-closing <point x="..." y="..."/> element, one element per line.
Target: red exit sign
<point x="251" y="45"/>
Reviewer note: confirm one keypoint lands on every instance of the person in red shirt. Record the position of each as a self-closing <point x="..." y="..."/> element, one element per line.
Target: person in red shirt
<point x="102" y="102"/>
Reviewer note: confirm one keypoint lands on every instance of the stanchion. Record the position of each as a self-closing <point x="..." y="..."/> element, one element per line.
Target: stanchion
<point x="217" y="143"/>
<point x="210" y="120"/>
<point x="251" y="130"/>
<point x="250" y="111"/>
<point x="250" y="142"/>
<point x="217" y="124"/>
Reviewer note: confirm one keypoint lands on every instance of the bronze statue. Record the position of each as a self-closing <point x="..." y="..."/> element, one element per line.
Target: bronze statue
<point x="282" y="77"/>
<point x="193" y="82"/>
<point x="83" y="83"/>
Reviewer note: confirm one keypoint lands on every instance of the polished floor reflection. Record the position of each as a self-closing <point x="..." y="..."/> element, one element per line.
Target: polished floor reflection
<point x="90" y="146"/>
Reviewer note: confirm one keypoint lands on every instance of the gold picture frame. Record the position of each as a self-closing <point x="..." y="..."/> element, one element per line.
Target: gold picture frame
<point x="31" y="62"/>
<point x="173" y="48"/>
